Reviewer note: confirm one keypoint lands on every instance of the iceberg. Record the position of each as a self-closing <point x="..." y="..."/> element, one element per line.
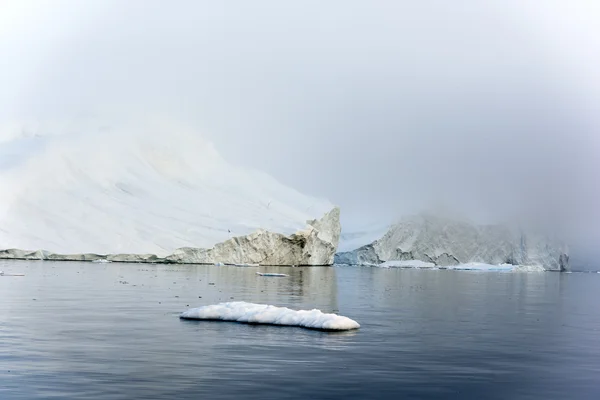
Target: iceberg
<point x="454" y="244"/>
<point x="157" y="194"/>
<point x="250" y="313"/>
<point x="314" y="245"/>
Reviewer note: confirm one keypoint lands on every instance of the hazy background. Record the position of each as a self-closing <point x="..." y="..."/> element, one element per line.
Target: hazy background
<point x="383" y="107"/>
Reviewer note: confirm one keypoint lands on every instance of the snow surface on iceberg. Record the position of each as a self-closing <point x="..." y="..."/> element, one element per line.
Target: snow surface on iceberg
<point x="250" y="313"/>
<point x="144" y="191"/>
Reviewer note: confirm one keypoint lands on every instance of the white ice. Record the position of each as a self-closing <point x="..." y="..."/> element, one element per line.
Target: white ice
<point x="407" y="264"/>
<point x="133" y="189"/>
<point x="500" y="267"/>
<point x="463" y="267"/>
<point x="270" y="274"/>
<point x="240" y="311"/>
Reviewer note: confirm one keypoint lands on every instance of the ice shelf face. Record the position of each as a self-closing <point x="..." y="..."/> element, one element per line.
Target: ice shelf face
<point x="152" y="196"/>
<point x="250" y="313"/>
<point x="445" y="242"/>
<point x="315" y="245"/>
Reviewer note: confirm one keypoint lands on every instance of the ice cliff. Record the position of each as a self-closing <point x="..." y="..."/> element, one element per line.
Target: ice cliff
<point x="446" y="242"/>
<point x="152" y="194"/>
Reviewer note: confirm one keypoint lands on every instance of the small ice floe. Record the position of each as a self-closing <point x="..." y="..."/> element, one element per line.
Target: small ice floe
<point x="246" y="265"/>
<point x="3" y="274"/>
<point x="250" y="313"/>
<point x="101" y="261"/>
<point x="270" y="274"/>
<point x="219" y="264"/>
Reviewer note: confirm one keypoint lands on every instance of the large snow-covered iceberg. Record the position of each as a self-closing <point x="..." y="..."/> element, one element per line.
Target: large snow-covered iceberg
<point x="442" y="241"/>
<point x="140" y="195"/>
<point x="250" y="313"/>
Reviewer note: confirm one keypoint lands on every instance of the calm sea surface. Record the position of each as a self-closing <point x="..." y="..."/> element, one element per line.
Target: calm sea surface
<point x="111" y="331"/>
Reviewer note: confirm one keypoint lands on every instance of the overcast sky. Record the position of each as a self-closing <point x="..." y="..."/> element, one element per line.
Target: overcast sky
<point x="383" y="107"/>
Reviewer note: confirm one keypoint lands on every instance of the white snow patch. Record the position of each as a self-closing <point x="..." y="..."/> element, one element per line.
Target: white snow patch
<point x="250" y="313"/>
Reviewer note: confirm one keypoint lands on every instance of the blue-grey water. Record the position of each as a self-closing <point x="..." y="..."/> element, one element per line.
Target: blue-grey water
<point x="111" y="331"/>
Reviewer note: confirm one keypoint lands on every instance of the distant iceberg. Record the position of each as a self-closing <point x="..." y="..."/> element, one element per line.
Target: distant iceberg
<point x="427" y="240"/>
<point x="250" y="313"/>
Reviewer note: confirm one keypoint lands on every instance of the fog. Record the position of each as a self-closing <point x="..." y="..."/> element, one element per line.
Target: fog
<point x="382" y="107"/>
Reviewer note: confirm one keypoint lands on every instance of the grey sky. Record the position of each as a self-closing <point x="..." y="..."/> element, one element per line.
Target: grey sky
<point x="383" y="107"/>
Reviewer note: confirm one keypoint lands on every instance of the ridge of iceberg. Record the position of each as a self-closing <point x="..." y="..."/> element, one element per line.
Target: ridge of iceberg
<point x="251" y="313"/>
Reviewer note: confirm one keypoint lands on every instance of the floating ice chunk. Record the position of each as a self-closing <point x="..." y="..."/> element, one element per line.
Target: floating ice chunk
<point x="270" y="274"/>
<point x="250" y="313"/>
<point x="407" y="264"/>
<point x="3" y="274"/>
<point x="101" y="261"/>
